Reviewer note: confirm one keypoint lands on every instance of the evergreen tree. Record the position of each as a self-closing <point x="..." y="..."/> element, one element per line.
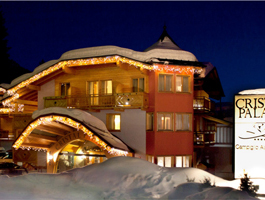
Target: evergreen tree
<point x="246" y="185"/>
<point x="9" y="69"/>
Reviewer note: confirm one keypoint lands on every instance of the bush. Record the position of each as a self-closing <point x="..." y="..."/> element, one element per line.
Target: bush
<point x="207" y="183"/>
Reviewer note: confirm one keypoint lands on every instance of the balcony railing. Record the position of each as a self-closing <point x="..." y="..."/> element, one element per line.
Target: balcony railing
<point x="4" y="135"/>
<point x="121" y="100"/>
<point x="203" y="104"/>
<point x="204" y="138"/>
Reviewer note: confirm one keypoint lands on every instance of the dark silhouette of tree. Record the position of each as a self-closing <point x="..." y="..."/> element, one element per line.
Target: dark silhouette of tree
<point x="246" y="185"/>
<point x="9" y="69"/>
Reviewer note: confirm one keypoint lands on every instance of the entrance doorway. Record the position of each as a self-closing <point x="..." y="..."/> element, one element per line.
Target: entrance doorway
<point x="79" y="153"/>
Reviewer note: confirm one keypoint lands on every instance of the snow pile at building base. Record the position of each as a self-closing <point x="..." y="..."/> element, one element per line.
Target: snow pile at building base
<point x="118" y="178"/>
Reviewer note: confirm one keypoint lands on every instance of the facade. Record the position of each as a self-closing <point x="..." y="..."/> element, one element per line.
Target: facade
<point x="99" y="102"/>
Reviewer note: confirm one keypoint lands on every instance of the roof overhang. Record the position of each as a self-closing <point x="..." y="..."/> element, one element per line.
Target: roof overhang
<point x="52" y="124"/>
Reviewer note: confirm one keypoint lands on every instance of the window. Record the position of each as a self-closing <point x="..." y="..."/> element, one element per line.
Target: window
<point x="114" y="122"/>
<point x="65" y="89"/>
<point x="150" y="158"/>
<point x="165" y="161"/>
<point x="165" y="121"/>
<point x="93" y="91"/>
<point x="183" y="122"/>
<point x="106" y="87"/>
<point x="149" y="121"/>
<point x="182" y="83"/>
<point x="138" y="85"/>
<point x="165" y="83"/>
<point x="183" y="161"/>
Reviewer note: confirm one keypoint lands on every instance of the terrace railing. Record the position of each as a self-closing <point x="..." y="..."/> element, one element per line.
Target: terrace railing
<point x="120" y="100"/>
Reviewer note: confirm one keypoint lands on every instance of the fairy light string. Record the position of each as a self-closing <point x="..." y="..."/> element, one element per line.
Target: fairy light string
<point x="70" y="122"/>
<point x="93" y="61"/>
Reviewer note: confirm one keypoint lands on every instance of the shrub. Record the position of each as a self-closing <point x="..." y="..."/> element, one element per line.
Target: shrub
<point x="246" y="185"/>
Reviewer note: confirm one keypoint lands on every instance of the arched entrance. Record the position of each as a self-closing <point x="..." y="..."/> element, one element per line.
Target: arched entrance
<point x="72" y="134"/>
<point x="79" y="153"/>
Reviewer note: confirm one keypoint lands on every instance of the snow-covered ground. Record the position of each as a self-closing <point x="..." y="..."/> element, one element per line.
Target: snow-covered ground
<point x="119" y="178"/>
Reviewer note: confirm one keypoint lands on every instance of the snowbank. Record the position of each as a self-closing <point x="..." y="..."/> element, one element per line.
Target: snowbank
<point x="117" y="178"/>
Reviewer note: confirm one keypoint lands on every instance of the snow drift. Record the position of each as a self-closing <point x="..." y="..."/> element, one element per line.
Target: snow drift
<point x="118" y="178"/>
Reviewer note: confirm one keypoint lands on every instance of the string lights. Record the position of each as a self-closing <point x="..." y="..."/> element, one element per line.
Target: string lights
<point x="70" y="122"/>
<point x="94" y="61"/>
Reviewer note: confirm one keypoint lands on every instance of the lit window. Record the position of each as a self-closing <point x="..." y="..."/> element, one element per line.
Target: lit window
<point x="65" y="89"/>
<point x="165" y="83"/>
<point x="160" y="161"/>
<point x="138" y="85"/>
<point x="183" y="121"/>
<point x="114" y="122"/>
<point x="165" y="161"/>
<point x="183" y="161"/>
<point x="106" y="87"/>
<point x="149" y="121"/>
<point x="182" y="83"/>
<point x="165" y="121"/>
<point x="93" y="91"/>
<point x="150" y="159"/>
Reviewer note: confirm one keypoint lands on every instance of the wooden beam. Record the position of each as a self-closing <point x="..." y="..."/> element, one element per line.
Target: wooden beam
<point x="68" y="70"/>
<point x="144" y="71"/>
<point x="27" y="102"/>
<point x="36" y="145"/>
<point x="33" y="87"/>
<point x="61" y="126"/>
<point x="55" y="131"/>
<point x="43" y="137"/>
<point x="122" y="65"/>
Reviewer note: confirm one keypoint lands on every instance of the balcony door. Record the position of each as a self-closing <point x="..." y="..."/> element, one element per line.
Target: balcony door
<point x="93" y="91"/>
<point x="100" y="91"/>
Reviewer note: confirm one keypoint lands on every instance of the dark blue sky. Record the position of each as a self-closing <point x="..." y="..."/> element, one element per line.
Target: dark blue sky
<point x="230" y="35"/>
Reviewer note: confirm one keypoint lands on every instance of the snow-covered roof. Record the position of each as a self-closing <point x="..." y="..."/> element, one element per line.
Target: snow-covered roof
<point x="88" y="120"/>
<point x="253" y="91"/>
<point x="145" y="57"/>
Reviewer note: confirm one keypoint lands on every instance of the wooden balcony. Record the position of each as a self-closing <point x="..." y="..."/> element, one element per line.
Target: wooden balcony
<point x="203" y="104"/>
<point x="204" y="138"/>
<point x="92" y="102"/>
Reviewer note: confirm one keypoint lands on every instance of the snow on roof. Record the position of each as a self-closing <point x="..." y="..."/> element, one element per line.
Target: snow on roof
<point x="253" y="91"/>
<point x="88" y="120"/>
<point x="109" y="51"/>
<point x="119" y="178"/>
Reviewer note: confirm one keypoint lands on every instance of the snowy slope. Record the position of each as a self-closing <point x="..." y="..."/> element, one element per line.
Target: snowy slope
<point x="116" y="178"/>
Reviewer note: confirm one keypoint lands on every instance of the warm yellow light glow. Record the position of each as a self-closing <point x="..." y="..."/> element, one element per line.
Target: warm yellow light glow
<point x="69" y="122"/>
<point x="94" y="61"/>
<point x="117" y="122"/>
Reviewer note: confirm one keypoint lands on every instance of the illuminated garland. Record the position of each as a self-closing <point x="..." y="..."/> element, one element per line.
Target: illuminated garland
<point x="92" y="61"/>
<point x="3" y="90"/>
<point x="5" y="110"/>
<point x="69" y="122"/>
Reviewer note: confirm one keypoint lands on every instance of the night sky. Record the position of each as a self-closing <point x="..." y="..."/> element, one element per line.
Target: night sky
<point x="230" y="35"/>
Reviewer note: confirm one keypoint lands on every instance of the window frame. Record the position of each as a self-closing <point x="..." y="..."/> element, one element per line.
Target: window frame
<point x="152" y="122"/>
<point x="182" y="161"/>
<point x="172" y="121"/>
<point x="66" y="92"/>
<point x="138" y="84"/>
<point x="164" y="83"/>
<point x="164" y="161"/>
<point x="182" y="120"/>
<point x="108" y="115"/>
<point x="189" y="83"/>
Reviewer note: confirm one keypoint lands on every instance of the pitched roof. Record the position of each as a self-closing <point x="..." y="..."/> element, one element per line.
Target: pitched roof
<point x="164" y="42"/>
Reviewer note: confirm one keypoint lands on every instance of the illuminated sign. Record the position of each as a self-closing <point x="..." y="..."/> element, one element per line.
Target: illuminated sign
<point x="250" y="135"/>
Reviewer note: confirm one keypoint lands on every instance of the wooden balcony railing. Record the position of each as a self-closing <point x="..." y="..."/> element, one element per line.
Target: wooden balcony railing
<point x="121" y="100"/>
<point x="204" y="138"/>
<point x="4" y="135"/>
<point x="203" y="104"/>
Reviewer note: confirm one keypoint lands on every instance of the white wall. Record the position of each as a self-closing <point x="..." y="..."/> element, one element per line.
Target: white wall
<point x="47" y="89"/>
<point x="133" y="128"/>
